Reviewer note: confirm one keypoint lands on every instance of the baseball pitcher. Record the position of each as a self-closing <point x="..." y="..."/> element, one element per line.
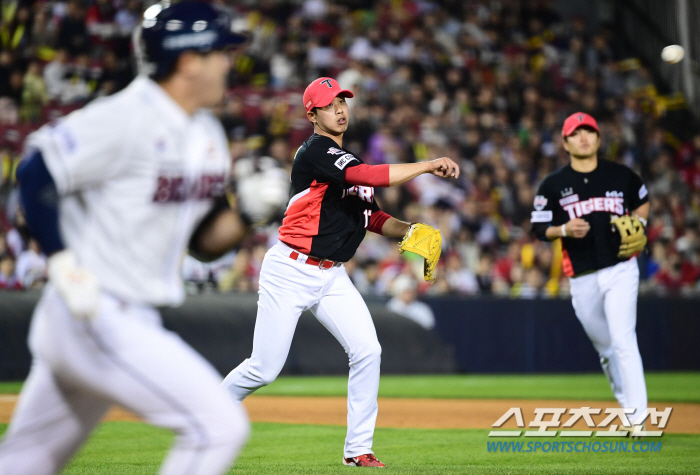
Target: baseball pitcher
<point x="114" y="193"/>
<point x="331" y="207"/>
<point x="599" y="209"/>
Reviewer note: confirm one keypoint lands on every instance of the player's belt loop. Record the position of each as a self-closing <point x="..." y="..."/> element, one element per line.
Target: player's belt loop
<point x="297" y="256"/>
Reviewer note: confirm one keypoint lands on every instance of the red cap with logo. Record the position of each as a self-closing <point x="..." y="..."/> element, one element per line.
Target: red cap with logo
<point x="576" y="120"/>
<point x="321" y="92"/>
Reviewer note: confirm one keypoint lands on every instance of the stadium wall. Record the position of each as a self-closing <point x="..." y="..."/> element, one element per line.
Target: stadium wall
<point x="478" y="335"/>
<point x="527" y="336"/>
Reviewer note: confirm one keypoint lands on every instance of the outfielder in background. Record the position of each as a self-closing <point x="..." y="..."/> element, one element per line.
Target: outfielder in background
<point x="113" y="193"/>
<point x="599" y="209"/>
<point x="332" y="205"/>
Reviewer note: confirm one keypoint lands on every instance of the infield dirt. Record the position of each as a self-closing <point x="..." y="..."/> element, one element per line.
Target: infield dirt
<point x="417" y="413"/>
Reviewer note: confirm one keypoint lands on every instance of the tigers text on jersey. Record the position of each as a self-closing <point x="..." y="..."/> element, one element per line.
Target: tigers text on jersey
<point x="325" y="217"/>
<point x="136" y="174"/>
<point x="609" y="190"/>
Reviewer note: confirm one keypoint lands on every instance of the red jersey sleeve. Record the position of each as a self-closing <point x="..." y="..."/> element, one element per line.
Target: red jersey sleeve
<point x="368" y="175"/>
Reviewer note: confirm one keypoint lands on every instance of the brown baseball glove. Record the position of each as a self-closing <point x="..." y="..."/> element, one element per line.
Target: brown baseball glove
<point x="632" y="237"/>
<point x="425" y="241"/>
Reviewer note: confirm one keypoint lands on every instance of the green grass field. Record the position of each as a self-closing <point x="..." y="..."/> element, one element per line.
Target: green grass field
<point x="133" y="448"/>
<point x="667" y="387"/>
<point x="130" y="448"/>
<point x="670" y="387"/>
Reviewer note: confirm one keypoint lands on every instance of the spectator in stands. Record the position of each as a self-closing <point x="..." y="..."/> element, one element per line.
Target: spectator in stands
<point x="99" y="20"/>
<point x="16" y="26"/>
<point x="43" y="30"/>
<point x="485" y="274"/>
<point x="18" y="235"/>
<point x="114" y="75"/>
<point x="487" y="82"/>
<point x="195" y="274"/>
<point x="673" y="276"/>
<point x="283" y="67"/>
<point x="34" y="94"/>
<point x="72" y="32"/>
<point x="691" y="172"/>
<point x="15" y="87"/>
<point x="128" y="17"/>
<point x="504" y="265"/>
<point x="55" y="73"/>
<point x="404" y="302"/>
<point x="8" y="279"/>
<point x="232" y="118"/>
<point x="528" y="283"/>
<point x="3" y="243"/>
<point x="6" y="62"/>
<point x="7" y="163"/>
<point x="367" y="277"/>
<point x="279" y="150"/>
<point x="9" y="116"/>
<point x="80" y="82"/>
<point x="237" y="277"/>
<point x="460" y="279"/>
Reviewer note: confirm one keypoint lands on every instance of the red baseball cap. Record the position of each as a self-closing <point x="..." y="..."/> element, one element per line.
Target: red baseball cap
<point x="576" y="120"/>
<point x="321" y="92"/>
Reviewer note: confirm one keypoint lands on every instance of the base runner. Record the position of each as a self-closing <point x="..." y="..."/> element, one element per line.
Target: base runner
<point x="599" y="209"/>
<point x="331" y="208"/>
<point x="113" y="193"/>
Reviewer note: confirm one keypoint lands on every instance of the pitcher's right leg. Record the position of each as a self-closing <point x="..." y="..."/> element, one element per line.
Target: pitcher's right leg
<point x="345" y="314"/>
<point x="621" y="312"/>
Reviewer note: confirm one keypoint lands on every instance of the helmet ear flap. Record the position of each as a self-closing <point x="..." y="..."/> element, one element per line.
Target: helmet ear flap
<point x="143" y="65"/>
<point x="147" y="63"/>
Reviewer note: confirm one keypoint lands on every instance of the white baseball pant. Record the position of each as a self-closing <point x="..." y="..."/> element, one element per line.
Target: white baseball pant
<point x="124" y="356"/>
<point x="287" y="288"/>
<point x="605" y="303"/>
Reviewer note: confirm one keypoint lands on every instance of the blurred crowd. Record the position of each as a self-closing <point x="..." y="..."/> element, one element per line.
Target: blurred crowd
<point x="487" y="83"/>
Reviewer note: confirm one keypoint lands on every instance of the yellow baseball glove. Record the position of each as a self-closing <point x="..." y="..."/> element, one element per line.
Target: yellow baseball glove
<point x="632" y="237"/>
<point x="425" y="241"/>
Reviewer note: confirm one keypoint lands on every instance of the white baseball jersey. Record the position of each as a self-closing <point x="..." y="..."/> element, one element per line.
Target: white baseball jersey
<point x="135" y="173"/>
<point x="135" y="164"/>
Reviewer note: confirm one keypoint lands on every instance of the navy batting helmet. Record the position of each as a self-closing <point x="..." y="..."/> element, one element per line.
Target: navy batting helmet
<point x="168" y="30"/>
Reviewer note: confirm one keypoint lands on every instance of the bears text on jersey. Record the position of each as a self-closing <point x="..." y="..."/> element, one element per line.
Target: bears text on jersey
<point x="178" y="188"/>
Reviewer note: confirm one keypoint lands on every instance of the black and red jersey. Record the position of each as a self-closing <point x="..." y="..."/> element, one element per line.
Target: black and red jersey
<point x="609" y="190"/>
<point x="326" y="217"/>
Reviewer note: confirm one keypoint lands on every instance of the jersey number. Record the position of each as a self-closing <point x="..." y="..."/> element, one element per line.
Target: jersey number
<point x="367" y="213"/>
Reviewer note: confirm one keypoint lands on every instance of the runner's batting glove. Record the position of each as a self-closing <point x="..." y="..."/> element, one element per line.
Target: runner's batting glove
<point x="632" y="237"/>
<point x="425" y="241"/>
<point x="77" y="285"/>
